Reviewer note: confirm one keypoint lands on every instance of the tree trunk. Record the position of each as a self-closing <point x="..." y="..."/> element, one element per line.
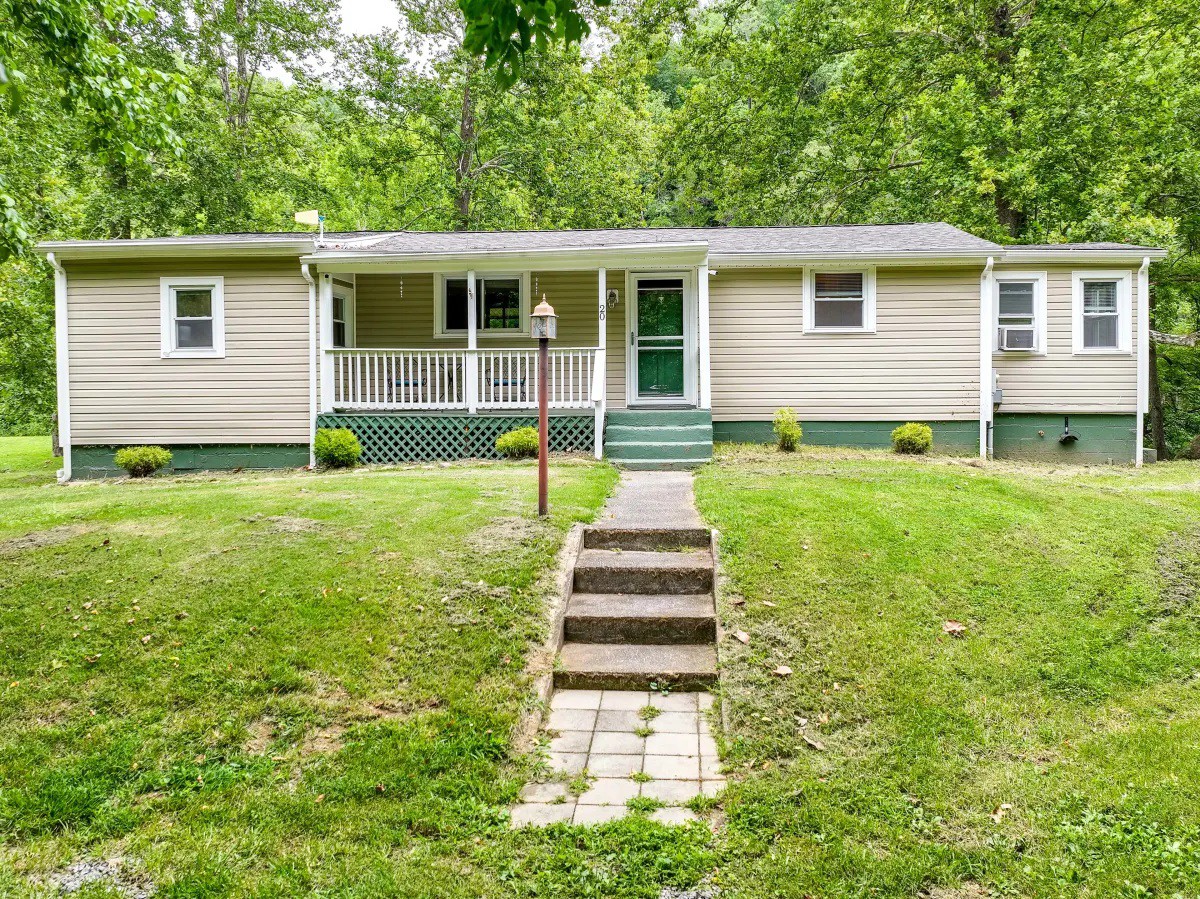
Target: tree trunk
<point x="1158" y="433"/>
<point x="1013" y="220"/>
<point x="463" y="178"/>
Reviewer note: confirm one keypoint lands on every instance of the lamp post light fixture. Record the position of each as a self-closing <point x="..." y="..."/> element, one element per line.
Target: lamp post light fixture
<point x="543" y="326"/>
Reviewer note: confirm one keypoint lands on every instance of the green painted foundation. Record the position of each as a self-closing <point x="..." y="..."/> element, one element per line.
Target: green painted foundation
<point x="97" y="461"/>
<point x="393" y="438"/>
<point x="953" y="437"/>
<point x="1103" y="439"/>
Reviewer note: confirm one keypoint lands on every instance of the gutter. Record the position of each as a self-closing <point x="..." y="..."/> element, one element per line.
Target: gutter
<point x="1143" y="360"/>
<point x="312" y="365"/>
<point x="62" y="365"/>
<point x="169" y="246"/>
<point x="985" y="359"/>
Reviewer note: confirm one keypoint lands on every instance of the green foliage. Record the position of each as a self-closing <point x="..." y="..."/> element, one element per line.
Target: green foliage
<point x="788" y="432"/>
<point x="1179" y="387"/>
<point x="142" y="461"/>
<point x="336" y="448"/>
<point x="519" y="444"/>
<point x="913" y="438"/>
<point x="503" y="31"/>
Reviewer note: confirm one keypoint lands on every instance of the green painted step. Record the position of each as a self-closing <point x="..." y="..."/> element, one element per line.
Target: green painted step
<point x="659" y="417"/>
<point x="698" y="452"/>
<point x="658" y="434"/>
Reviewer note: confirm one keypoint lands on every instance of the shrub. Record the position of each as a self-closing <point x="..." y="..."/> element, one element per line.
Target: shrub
<point x="519" y="444"/>
<point x="142" y="461"/>
<point x="336" y="448"/>
<point x="787" y="430"/>
<point x="913" y="438"/>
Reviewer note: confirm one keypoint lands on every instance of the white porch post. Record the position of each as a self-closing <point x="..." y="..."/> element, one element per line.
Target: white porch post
<point x="472" y="367"/>
<point x="326" y="303"/>
<point x="62" y="361"/>
<point x="702" y="336"/>
<point x="600" y="372"/>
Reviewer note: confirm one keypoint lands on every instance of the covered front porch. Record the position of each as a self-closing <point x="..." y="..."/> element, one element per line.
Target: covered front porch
<point x="433" y="359"/>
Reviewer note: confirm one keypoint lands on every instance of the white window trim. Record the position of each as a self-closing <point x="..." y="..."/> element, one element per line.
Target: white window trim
<point x="1039" y="312"/>
<point x="439" y="307"/>
<point x="166" y="288"/>
<point x="810" y="292"/>
<point x="1124" y="279"/>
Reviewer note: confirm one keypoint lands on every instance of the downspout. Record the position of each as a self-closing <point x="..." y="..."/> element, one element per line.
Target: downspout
<point x="62" y="366"/>
<point x="312" y="362"/>
<point x="985" y="359"/>
<point x="1143" y="360"/>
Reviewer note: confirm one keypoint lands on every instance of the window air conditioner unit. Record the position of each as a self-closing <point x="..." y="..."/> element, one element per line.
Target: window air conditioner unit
<point x="1016" y="338"/>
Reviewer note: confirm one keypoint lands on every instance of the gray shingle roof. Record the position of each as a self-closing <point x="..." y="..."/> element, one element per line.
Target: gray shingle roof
<point x="815" y="239"/>
<point x="1056" y="247"/>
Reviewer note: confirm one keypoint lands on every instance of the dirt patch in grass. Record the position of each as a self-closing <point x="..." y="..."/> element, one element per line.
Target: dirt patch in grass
<point x="113" y="873"/>
<point x="323" y="739"/>
<point x="38" y="539"/>
<point x="1179" y="568"/>
<point x="287" y="524"/>
<point x="262" y="734"/>
<point x="505" y="532"/>
<point x="966" y="890"/>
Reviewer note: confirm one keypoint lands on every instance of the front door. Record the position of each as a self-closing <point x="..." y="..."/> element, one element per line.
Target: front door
<point x="658" y="338"/>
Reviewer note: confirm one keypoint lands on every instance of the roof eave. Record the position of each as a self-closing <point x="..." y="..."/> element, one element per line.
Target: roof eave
<point x="853" y="257"/>
<point x="158" y="247"/>
<point x="546" y="259"/>
<point x="1134" y="256"/>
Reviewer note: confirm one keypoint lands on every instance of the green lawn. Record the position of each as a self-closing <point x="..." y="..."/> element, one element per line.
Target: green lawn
<point x="335" y="665"/>
<point x="1052" y="751"/>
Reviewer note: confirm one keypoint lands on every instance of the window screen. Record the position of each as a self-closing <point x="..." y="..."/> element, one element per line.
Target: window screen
<point x="1101" y="315"/>
<point x="838" y="300"/>
<point x="193" y="318"/>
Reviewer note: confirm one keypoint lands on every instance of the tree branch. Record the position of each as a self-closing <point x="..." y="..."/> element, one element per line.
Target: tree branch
<point x="1162" y="337"/>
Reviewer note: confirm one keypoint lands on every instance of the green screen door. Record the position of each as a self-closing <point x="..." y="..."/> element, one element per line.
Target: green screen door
<point x="659" y="338"/>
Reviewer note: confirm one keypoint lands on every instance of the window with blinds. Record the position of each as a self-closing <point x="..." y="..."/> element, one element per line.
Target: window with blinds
<point x="839" y="300"/>
<point x="1101" y="315"/>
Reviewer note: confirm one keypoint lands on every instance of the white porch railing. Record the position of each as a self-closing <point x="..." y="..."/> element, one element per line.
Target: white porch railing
<point x="395" y="379"/>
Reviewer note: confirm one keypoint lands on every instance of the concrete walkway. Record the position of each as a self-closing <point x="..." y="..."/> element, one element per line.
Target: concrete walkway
<point x="641" y="613"/>
<point x="652" y="499"/>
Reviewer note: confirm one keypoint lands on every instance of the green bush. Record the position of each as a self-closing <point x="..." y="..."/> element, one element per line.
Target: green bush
<point x="787" y="430"/>
<point x="142" y="461"/>
<point x="519" y="444"/>
<point x="336" y="448"/>
<point x="913" y="438"/>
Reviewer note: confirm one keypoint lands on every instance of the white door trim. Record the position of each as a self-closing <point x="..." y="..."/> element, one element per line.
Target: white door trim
<point x="690" y="360"/>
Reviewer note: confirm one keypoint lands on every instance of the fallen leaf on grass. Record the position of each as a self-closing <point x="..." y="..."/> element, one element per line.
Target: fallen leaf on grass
<point x="782" y="671"/>
<point x="1001" y="810"/>
<point x="146" y="639"/>
<point x="741" y="636"/>
<point x="813" y="744"/>
<point x="954" y="628"/>
<point x="737" y="601"/>
<point x="768" y="603"/>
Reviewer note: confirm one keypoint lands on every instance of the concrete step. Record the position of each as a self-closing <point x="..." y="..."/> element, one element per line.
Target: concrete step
<point x="593" y="666"/>
<point x="609" y="571"/>
<point x="659" y="464"/>
<point x="659" y="417"/>
<point x="658" y="433"/>
<point x="646" y="539"/>
<point x="694" y="452"/>
<point x="660" y="619"/>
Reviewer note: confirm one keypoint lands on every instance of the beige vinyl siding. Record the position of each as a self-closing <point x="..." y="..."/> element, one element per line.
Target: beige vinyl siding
<point x="123" y="391"/>
<point x="922" y="362"/>
<point x="396" y="311"/>
<point x="1060" y="381"/>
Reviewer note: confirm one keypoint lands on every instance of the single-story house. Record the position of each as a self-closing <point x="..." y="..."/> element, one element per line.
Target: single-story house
<point x="231" y="350"/>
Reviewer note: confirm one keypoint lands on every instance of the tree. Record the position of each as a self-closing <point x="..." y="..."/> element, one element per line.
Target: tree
<point x="68" y="48"/>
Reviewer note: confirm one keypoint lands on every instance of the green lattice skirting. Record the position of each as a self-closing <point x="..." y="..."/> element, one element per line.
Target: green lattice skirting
<point x="388" y="439"/>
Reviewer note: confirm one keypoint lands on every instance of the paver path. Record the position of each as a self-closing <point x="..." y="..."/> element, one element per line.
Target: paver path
<point x="641" y="613"/>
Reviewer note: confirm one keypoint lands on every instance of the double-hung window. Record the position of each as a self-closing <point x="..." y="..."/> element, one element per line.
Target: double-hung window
<point x="1103" y="317"/>
<point x="339" y="320"/>
<point x="501" y="305"/>
<point x="1021" y="312"/>
<point x="193" y="316"/>
<point x="839" y="301"/>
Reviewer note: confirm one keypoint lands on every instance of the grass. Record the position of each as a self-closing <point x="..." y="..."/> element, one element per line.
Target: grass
<point x="287" y="684"/>
<point x="336" y="664"/>
<point x="1052" y="751"/>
